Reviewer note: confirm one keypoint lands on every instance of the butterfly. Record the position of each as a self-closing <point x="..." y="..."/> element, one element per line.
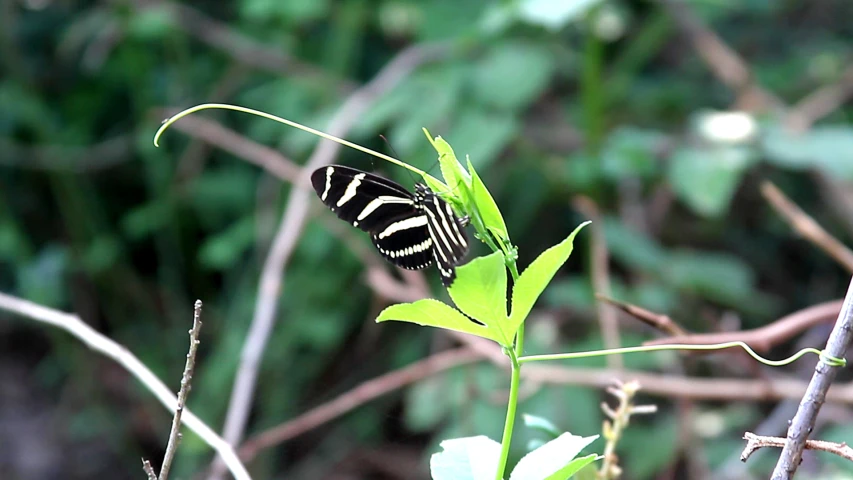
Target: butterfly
<point x="410" y="229"/>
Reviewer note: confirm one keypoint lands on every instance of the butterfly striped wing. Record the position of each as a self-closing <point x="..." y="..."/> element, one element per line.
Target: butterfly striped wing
<point x="364" y="200"/>
<point x="409" y="230"/>
<point x="446" y="231"/>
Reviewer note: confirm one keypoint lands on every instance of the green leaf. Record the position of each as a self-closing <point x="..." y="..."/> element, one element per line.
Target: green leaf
<point x="487" y="207"/>
<point x="555" y="460"/>
<point x="454" y="174"/>
<point x="536" y="277"/>
<point x="470" y="458"/>
<point x="432" y="313"/>
<point x="480" y="291"/>
<point x="512" y="74"/>
<point x="829" y="148"/>
<point x="706" y="178"/>
<point x="483" y="134"/>
<point x="542" y="424"/>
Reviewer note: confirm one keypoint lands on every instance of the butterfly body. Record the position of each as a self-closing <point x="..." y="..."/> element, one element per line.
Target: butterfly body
<point x="410" y="230"/>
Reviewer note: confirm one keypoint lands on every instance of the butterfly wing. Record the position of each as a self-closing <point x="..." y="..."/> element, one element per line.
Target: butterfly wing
<point x="364" y="200"/>
<point x="450" y="244"/>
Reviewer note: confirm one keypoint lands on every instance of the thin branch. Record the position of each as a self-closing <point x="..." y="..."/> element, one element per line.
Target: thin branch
<point x="601" y="278"/>
<point x="754" y="442"/>
<point x="289" y="231"/>
<point x="723" y="61"/>
<point x="102" y="344"/>
<point x="764" y="338"/>
<point x="359" y="395"/>
<point x="656" y="320"/>
<point x="807" y="226"/>
<point x="186" y="386"/>
<point x="804" y="421"/>
<point x="821" y="102"/>
<point x="149" y="470"/>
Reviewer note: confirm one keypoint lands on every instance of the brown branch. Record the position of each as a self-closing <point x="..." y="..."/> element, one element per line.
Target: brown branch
<point x="121" y="355"/>
<point x="359" y="395"/>
<point x="601" y="278"/>
<point x="186" y="386"/>
<point x="807" y="226"/>
<point x="821" y="102"/>
<point x="148" y="469"/>
<point x="656" y="320"/>
<point x="803" y="423"/>
<point x="723" y="61"/>
<point x="764" y="338"/>
<point x="754" y="442"/>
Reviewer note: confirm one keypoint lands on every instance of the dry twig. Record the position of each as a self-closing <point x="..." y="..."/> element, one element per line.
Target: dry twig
<point x="754" y="442"/>
<point x="186" y="385"/>
<point x="601" y="278"/>
<point x="656" y="320"/>
<point x="816" y="393"/>
<point x="121" y="355"/>
<point x="807" y="226"/>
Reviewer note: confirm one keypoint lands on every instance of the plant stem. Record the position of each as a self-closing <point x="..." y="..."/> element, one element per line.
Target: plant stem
<point x="512" y="403"/>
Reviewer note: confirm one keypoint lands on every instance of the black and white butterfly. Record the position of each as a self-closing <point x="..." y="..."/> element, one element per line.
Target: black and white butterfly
<point x="411" y="230"/>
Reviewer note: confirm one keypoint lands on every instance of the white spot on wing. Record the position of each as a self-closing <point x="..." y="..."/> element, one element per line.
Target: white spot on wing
<point x="412" y="222"/>
<point x="329" y="172"/>
<point x="352" y="188"/>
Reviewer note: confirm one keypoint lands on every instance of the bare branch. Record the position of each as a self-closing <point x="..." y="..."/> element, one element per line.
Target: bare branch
<point x="359" y="395"/>
<point x="186" y="386"/>
<point x="807" y="226"/>
<point x="100" y="343"/>
<point x="804" y="421"/>
<point x="601" y="278"/>
<point x="659" y="321"/>
<point x="821" y="102"/>
<point x="754" y="442"/>
<point x="149" y="470"/>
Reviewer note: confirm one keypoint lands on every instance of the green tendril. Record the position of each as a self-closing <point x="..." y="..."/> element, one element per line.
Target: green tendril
<point x="826" y="358"/>
<point x="224" y="106"/>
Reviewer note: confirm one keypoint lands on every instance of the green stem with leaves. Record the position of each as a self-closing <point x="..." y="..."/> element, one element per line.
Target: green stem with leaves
<point x="515" y="379"/>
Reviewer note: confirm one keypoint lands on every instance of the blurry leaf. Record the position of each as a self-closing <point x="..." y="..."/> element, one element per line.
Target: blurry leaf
<point x="645" y="462"/>
<point x="101" y="254"/>
<point x="219" y="194"/>
<point x="447" y="19"/>
<point x="707" y="178"/>
<point x="42" y="279"/>
<point x="717" y="276"/>
<point x="12" y="242"/>
<point x="541" y="424"/>
<point x="482" y="135"/>
<point x="274" y="10"/>
<point x="428" y="402"/>
<point x="480" y="292"/>
<point x="152" y="23"/>
<point x="487" y="207"/>
<point x="471" y="458"/>
<point x="224" y="249"/>
<point x="630" y="153"/>
<point x="554" y="460"/>
<point x="512" y="74"/>
<point x="432" y="313"/>
<point x="537" y="276"/>
<point x="829" y="148"/>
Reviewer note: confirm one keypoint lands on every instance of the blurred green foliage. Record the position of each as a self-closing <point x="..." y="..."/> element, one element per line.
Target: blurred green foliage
<point x="550" y="100"/>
